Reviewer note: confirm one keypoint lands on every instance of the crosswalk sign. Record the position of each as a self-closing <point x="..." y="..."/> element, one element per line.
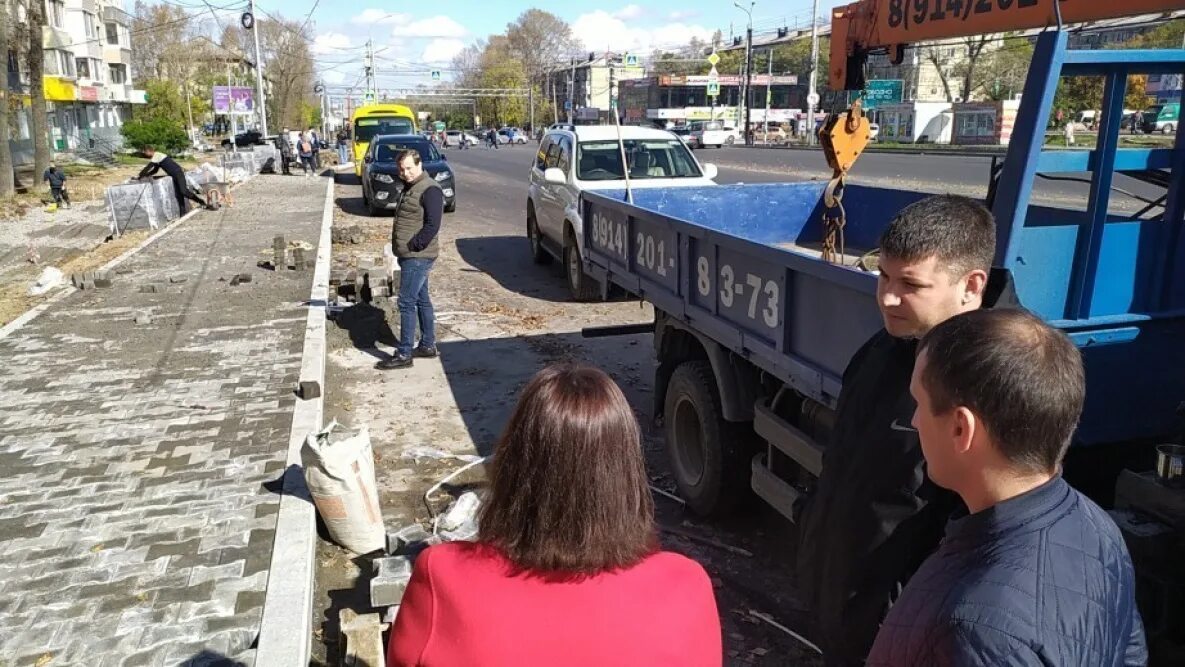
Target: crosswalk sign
<point x="713" y="89"/>
<point x="436" y="75"/>
<point x="631" y="60"/>
<point x="369" y="97"/>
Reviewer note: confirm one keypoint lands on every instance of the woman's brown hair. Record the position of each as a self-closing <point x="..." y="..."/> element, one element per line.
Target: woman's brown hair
<point x="569" y="491"/>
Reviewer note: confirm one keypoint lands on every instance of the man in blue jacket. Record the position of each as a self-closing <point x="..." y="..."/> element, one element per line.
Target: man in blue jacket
<point x="1032" y="572"/>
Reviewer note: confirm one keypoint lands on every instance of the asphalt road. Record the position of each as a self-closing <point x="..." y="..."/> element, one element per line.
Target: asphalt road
<point x="958" y="174"/>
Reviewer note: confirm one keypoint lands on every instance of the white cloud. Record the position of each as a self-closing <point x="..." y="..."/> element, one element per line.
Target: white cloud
<point x="599" y="30"/>
<point x="333" y="77"/>
<point x="375" y="16"/>
<point x="331" y="42"/>
<point x="441" y="50"/>
<point x="437" y="27"/>
<point x="629" y="12"/>
<point x="683" y="15"/>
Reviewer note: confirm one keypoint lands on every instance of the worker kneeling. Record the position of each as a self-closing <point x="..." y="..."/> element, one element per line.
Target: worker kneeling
<point x="566" y="569"/>
<point x="158" y="161"/>
<point x="1031" y="572"/>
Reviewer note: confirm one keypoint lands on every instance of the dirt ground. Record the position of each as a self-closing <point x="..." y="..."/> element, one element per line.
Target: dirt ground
<point x="500" y="319"/>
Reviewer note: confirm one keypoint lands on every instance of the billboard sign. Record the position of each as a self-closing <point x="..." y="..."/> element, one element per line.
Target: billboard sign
<point x="234" y="99"/>
<point x="883" y="91"/>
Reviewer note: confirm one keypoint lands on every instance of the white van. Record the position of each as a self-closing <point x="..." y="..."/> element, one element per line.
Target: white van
<point x="716" y="133"/>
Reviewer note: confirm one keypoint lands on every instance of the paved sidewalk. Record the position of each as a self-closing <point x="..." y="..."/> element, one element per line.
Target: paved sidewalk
<point x="135" y="527"/>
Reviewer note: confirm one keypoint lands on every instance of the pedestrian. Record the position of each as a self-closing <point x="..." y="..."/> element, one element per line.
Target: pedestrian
<point x="1068" y="131"/>
<point x="1030" y="572"/>
<point x="872" y="517"/>
<point x="160" y="161"/>
<point x="57" y="184"/>
<point x="284" y="143"/>
<point x="415" y="244"/>
<point x="316" y="142"/>
<point x="567" y="551"/>
<point x="343" y="146"/>
<point x="306" y="152"/>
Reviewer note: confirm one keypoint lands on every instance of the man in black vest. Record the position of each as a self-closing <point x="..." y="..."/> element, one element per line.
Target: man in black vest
<point x="158" y="161"/>
<point x="414" y="242"/>
<point x="873" y="516"/>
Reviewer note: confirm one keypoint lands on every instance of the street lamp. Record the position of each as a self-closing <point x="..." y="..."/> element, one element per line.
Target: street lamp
<point x="748" y="67"/>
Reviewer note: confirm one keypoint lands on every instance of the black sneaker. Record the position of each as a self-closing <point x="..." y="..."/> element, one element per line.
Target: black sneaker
<point x="425" y="352"/>
<point x="393" y="362"/>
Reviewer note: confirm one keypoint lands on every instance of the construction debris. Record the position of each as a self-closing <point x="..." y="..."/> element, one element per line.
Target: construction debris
<point x="391" y="576"/>
<point x="362" y="639"/>
<point x="308" y="390"/>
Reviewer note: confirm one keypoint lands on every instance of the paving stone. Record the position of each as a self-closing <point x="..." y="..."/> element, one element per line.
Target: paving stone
<point x="125" y="450"/>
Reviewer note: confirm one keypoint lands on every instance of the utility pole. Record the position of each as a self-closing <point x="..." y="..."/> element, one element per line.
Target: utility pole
<point x="572" y="91"/>
<point x="768" y="95"/>
<point x="812" y="94"/>
<point x="369" y="69"/>
<point x="189" y="110"/>
<point x="748" y="81"/>
<point x="234" y="130"/>
<point x="531" y="104"/>
<point x="613" y="94"/>
<point x="261" y="100"/>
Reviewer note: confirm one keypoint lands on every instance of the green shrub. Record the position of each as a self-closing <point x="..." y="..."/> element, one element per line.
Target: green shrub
<point x="164" y="135"/>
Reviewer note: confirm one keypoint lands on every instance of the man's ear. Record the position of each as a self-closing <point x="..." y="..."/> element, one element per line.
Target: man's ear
<point x="976" y="285"/>
<point x="962" y="429"/>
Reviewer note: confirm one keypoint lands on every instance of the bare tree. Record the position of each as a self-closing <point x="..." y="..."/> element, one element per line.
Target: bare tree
<point x="540" y="40"/>
<point x="288" y="61"/>
<point x="7" y="187"/>
<point x="969" y="51"/>
<point x="35" y="59"/>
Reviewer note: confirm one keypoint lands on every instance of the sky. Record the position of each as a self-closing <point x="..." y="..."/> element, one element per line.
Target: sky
<point x="410" y="42"/>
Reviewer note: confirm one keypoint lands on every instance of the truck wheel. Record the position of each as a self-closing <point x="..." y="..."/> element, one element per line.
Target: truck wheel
<point x="1169" y="128"/>
<point x="539" y="254"/>
<point x="708" y="455"/>
<point x="582" y="287"/>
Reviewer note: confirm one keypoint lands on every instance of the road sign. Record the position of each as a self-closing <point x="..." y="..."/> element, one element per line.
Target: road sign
<point x="713" y="89"/>
<point x="813" y="99"/>
<point x="369" y="97"/>
<point x="713" y="59"/>
<point x="567" y="105"/>
<point x="436" y="75"/>
<point x="631" y="60"/>
<point x="439" y="125"/>
<point x="881" y="92"/>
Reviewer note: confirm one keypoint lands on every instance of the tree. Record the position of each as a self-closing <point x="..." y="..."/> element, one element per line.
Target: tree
<point x="1170" y="35"/>
<point x="1003" y="71"/>
<point x="163" y="45"/>
<point x="540" y="40"/>
<point x="7" y="187"/>
<point x="165" y="103"/>
<point x="962" y="72"/>
<point x="286" y="49"/>
<point x="35" y="59"/>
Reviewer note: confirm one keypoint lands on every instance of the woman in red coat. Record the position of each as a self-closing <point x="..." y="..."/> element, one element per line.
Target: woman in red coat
<point x="566" y="569"/>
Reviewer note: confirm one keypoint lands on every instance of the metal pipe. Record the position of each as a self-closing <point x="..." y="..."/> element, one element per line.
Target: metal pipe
<point x="260" y="99"/>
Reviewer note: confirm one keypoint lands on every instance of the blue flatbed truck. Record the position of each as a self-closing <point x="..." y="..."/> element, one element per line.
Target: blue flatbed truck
<point x="753" y="329"/>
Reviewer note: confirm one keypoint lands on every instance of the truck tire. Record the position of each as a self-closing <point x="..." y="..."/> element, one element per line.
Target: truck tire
<point x="539" y="254"/>
<point x="709" y="456"/>
<point x="582" y="287"/>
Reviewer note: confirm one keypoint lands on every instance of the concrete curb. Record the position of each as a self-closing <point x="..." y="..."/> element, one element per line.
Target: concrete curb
<point x="285" y="631"/>
<point x="35" y="311"/>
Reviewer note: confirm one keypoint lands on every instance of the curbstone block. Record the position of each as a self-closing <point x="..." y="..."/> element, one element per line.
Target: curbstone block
<point x="102" y="282"/>
<point x="392" y="575"/>
<point x="408" y="541"/>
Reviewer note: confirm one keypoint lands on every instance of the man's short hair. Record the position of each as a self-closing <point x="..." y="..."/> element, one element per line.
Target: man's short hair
<point x="408" y="153"/>
<point x="149" y="148"/>
<point x="959" y="231"/>
<point x="1023" y="378"/>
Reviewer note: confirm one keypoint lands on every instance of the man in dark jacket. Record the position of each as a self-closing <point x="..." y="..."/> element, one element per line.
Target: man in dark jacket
<point x="872" y="518"/>
<point x="1032" y="572"/>
<point x="158" y="161"/>
<point x="284" y="144"/>
<point x="57" y="184"/>
<point x="414" y="242"/>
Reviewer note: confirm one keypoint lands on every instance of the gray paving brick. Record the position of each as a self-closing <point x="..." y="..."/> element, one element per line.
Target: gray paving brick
<point x="133" y="457"/>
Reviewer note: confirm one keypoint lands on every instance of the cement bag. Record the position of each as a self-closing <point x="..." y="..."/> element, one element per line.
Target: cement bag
<point x="340" y="476"/>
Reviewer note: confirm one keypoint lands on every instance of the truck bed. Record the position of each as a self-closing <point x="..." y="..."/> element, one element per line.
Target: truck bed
<point x="741" y="264"/>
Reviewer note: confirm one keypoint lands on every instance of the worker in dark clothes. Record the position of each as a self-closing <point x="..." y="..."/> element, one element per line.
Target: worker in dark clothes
<point x="873" y="516"/>
<point x="57" y="184"/>
<point x="158" y="161"/>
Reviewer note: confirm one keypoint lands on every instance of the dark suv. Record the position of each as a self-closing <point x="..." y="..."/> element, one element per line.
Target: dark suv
<point x="381" y="185"/>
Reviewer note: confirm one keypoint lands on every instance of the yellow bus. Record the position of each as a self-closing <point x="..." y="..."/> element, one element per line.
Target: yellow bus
<point x="372" y="120"/>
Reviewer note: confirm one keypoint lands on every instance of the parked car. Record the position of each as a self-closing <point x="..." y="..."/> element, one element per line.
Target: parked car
<point x="247" y="138"/>
<point x="874" y="131"/>
<point x="513" y="135"/>
<point x="381" y="185"/>
<point x="588" y="157"/>
<point x="716" y="133"/>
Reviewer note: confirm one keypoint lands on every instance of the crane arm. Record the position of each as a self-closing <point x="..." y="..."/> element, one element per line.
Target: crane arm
<point x="871" y="25"/>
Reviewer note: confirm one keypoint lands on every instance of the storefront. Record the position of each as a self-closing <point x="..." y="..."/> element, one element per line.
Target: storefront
<point x="682" y="99"/>
<point x="984" y="123"/>
<point x="915" y="122"/>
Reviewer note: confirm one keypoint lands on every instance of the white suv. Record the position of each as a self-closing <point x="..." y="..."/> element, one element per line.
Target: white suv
<point x="581" y="158"/>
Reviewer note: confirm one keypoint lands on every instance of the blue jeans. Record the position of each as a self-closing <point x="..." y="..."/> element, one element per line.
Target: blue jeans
<point x="414" y="304"/>
<point x="343" y="153"/>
